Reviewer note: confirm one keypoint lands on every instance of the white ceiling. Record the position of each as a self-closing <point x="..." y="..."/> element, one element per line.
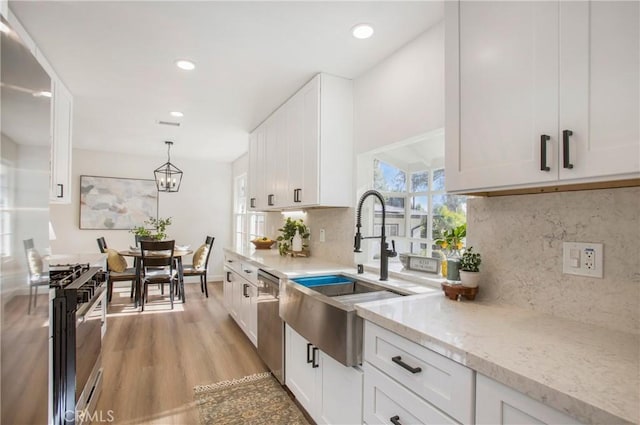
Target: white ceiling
<point x="117" y="58"/>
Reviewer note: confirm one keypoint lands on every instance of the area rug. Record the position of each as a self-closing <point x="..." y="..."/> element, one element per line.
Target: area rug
<point x="254" y="399"/>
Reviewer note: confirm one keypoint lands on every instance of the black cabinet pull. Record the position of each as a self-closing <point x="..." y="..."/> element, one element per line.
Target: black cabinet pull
<point x="543" y="152"/>
<point x="309" y="345"/>
<point x="248" y="271"/>
<point x="61" y="187"/>
<point x="395" y="420"/>
<point x="398" y="360"/>
<point x="270" y="200"/>
<point x="244" y="290"/>
<point x="313" y="360"/>
<point x="566" y="161"/>
<point x="252" y="202"/>
<point x="228" y="276"/>
<point x="296" y="195"/>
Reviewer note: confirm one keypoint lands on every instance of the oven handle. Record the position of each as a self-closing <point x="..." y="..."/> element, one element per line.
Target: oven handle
<point x="86" y="308"/>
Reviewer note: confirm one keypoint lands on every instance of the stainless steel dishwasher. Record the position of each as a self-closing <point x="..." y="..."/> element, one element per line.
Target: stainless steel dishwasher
<point x="270" y="325"/>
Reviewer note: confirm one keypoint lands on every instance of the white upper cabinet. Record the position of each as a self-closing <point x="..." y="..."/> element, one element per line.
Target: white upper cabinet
<point x="62" y="113"/>
<point x="521" y="77"/>
<point x="308" y="149"/>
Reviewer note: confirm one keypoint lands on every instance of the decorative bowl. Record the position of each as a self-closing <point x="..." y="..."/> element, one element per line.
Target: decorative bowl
<point x="263" y="243"/>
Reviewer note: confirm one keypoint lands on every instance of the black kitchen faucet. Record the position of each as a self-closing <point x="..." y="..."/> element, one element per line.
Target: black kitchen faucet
<point x="385" y="252"/>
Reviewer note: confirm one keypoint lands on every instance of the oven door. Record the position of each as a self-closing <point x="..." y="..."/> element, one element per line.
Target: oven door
<point x="89" y="324"/>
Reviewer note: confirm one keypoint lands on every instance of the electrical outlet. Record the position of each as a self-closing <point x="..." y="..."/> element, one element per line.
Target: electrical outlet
<point x="322" y="235"/>
<point x="583" y="259"/>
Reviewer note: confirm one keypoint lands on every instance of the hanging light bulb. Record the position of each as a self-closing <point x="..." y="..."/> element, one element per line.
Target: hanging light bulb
<point x="168" y="176"/>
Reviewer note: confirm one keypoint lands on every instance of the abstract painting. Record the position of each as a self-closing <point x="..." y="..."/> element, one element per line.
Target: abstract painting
<point x="116" y="203"/>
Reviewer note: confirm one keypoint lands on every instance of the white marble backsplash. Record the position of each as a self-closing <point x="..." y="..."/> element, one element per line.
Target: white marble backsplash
<point x="520" y="238"/>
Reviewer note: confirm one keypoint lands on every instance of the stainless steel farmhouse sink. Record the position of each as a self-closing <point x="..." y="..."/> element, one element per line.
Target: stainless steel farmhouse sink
<point x="321" y="309"/>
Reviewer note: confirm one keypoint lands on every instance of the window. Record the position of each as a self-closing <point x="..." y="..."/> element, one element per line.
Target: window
<point x="6" y="201"/>
<point x="410" y="176"/>
<point x="248" y="225"/>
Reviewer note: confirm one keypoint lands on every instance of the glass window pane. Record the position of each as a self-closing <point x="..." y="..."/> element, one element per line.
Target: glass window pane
<point x="438" y="179"/>
<point x="449" y="211"/>
<point x="394" y="223"/>
<point x="388" y="178"/>
<point x="256" y="226"/>
<point x="419" y="248"/>
<point x="419" y="217"/>
<point x="420" y="181"/>
<point x="239" y="224"/>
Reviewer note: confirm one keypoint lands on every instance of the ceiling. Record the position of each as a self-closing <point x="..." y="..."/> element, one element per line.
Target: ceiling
<point x="117" y="59"/>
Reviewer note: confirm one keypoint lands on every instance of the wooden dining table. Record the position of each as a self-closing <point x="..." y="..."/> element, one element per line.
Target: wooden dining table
<point x="137" y="256"/>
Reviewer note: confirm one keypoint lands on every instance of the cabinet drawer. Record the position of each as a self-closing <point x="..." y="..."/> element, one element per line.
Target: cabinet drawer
<point x="447" y="385"/>
<point x="384" y="399"/>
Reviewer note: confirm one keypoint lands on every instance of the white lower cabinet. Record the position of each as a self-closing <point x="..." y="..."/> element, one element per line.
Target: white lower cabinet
<point x="240" y="298"/>
<point x="412" y="384"/>
<point x="499" y="404"/>
<point x="330" y="392"/>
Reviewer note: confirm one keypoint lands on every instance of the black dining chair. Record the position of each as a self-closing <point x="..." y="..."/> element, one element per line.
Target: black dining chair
<point x="128" y="274"/>
<point x="157" y="266"/>
<point x="201" y="269"/>
<point x="36" y="276"/>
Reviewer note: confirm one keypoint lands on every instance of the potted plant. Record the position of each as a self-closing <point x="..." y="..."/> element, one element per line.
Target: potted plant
<point x="159" y="225"/>
<point x="451" y="244"/>
<point x="289" y="230"/>
<point x="470" y="268"/>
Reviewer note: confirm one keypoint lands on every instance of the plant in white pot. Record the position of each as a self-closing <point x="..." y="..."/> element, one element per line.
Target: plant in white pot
<point x="470" y="268"/>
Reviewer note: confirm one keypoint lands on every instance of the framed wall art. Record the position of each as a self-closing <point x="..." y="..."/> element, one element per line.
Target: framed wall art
<point x="116" y="203"/>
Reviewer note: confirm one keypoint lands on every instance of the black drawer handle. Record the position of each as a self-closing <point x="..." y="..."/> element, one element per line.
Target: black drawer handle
<point x="248" y="271"/>
<point x="270" y="200"/>
<point x="309" y="345"/>
<point x="395" y="420"/>
<point x="244" y="290"/>
<point x="313" y="362"/>
<point x="296" y="195"/>
<point x="543" y="152"/>
<point x="252" y="203"/>
<point x="228" y="276"/>
<point x="566" y="161"/>
<point x="61" y="187"/>
<point x="398" y="360"/>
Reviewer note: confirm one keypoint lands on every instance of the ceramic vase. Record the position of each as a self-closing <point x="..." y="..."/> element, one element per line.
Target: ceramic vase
<point x="469" y="279"/>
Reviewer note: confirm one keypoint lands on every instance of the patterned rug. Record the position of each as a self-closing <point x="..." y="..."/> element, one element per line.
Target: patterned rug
<point x="254" y="399"/>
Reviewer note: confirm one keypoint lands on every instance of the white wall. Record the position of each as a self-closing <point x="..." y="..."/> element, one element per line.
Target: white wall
<point x="403" y="95"/>
<point x="201" y="207"/>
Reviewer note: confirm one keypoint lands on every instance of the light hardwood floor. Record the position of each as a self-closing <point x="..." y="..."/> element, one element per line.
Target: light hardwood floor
<point x="152" y="360"/>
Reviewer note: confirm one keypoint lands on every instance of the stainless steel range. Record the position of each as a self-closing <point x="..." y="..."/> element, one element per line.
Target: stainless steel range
<point x="78" y="322"/>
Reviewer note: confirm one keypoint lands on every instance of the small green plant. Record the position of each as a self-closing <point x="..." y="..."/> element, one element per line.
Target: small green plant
<point x="452" y="238"/>
<point x="157" y="224"/>
<point x="470" y="261"/>
<point x="289" y="231"/>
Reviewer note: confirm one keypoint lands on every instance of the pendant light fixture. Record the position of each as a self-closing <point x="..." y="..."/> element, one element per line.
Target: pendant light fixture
<point x="168" y="176"/>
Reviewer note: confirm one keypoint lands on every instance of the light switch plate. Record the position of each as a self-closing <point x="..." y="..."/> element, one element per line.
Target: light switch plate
<point x="583" y="259"/>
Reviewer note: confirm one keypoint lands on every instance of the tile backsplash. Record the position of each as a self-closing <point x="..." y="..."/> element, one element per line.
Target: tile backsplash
<point x="520" y="238"/>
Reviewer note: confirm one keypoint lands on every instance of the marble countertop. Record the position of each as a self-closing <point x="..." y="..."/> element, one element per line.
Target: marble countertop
<point x="590" y="373"/>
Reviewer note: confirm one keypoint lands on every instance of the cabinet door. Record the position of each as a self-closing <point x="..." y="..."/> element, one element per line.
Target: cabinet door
<point x="599" y="86"/>
<point x="252" y="176"/>
<point x="309" y="185"/>
<point x="62" y="107"/>
<point x="252" y="314"/>
<point x="296" y="163"/>
<point x="236" y="301"/>
<point x="340" y="389"/>
<point x="501" y="67"/>
<point x="227" y="289"/>
<point x="498" y="404"/>
<point x="300" y="375"/>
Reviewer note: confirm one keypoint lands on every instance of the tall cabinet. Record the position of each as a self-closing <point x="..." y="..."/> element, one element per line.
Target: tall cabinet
<point x="302" y="155"/>
<point x="541" y="93"/>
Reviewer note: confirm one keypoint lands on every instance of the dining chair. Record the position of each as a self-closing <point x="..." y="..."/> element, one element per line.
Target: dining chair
<point x="157" y="267"/>
<point x="117" y="268"/>
<point x="36" y="276"/>
<point x="200" y="264"/>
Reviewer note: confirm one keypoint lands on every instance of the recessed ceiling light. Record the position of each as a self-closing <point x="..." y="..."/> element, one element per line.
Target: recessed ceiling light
<point x="185" y="64"/>
<point x="176" y="114"/>
<point x="42" y="94"/>
<point x="362" y="31"/>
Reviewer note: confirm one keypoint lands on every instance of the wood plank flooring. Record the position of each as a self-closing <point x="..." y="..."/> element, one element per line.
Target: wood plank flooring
<point x="152" y="360"/>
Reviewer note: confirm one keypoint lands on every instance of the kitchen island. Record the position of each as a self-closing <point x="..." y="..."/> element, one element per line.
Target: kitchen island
<point x="587" y="372"/>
